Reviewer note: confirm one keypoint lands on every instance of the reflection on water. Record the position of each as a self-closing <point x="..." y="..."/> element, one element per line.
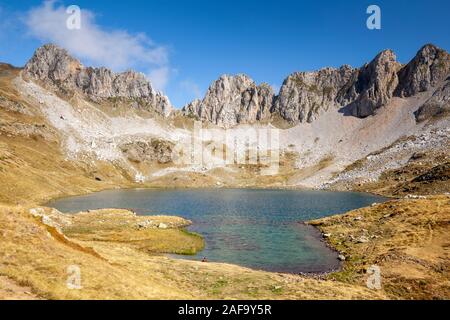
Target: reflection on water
<point x="253" y="228"/>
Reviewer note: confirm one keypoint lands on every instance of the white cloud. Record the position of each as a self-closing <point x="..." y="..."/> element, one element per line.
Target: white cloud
<point x="159" y="77"/>
<point x="115" y="49"/>
<point x="192" y="88"/>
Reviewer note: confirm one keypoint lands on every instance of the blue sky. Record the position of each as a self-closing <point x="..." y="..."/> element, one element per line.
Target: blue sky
<point x="184" y="45"/>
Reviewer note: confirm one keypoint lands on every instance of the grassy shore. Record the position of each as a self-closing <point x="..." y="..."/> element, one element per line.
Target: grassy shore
<point x="406" y="239"/>
<point x="35" y="254"/>
<point x="122" y="263"/>
<point x="119" y="256"/>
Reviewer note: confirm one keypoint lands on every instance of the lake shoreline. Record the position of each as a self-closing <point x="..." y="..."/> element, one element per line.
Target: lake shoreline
<point x="279" y="210"/>
<point x="312" y="275"/>
<point x="348" y="282"/>
<point x="331" y="283"/>
<point x="326" y="242"/>
<point x="46" y="199"/>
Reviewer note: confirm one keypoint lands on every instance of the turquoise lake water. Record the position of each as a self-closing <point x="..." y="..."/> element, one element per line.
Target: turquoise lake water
<point x="261" y="229"/>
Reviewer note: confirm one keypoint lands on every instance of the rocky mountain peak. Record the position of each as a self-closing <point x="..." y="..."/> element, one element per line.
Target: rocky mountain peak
<point x="56" y="69"/>
<point x="305" y="95"/>
<point x="372" y="85"/>
<point x="53" y="63"/>
<point x="231" y="100"/>
<point x="427" y="69"/>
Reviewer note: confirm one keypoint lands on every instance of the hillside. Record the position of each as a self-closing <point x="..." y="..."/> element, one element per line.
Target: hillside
<point x="68" y="129"/>
<point x="114" y="129"/>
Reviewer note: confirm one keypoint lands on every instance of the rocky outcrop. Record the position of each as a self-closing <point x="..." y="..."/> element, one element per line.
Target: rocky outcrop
<point x="231" y="100"/>
<point x="155" y="150"/>
<point x="14" y="106"/>
<point x="437" y="106"/>
<point x="438" y="173"/>
<point x="372" y="85"/>
<point x="305" y="95"/>
<point x="192" y="109"/>
<point x="427" y="70"/>
<point x="56" y="69"/>
<point x="33" y="131"/>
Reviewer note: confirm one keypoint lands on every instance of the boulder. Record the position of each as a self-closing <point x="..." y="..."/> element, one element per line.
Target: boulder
<point x="162" y="226"/>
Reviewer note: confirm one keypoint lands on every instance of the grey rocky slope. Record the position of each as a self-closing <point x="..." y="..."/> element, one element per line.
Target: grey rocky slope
<point x="437" y="106"/>
<point x="429" y="71"/>
<point x="231" y="100"/>
<point x="143" y="150"/>
<point x="304" y="96"/>
<point x="57" y="70"/>
<point x="311" y="153"/>
<point x="429" y="67"/>
<point x="372" y="86"/>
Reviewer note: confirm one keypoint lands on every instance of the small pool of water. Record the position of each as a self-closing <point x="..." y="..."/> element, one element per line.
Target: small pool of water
<point x="260" y="229"/>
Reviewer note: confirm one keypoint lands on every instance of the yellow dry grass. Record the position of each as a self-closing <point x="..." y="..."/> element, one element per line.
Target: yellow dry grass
<point x="407" y="239"/>
<point x="155" y="234"/>
<point x="35" y="258"/>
